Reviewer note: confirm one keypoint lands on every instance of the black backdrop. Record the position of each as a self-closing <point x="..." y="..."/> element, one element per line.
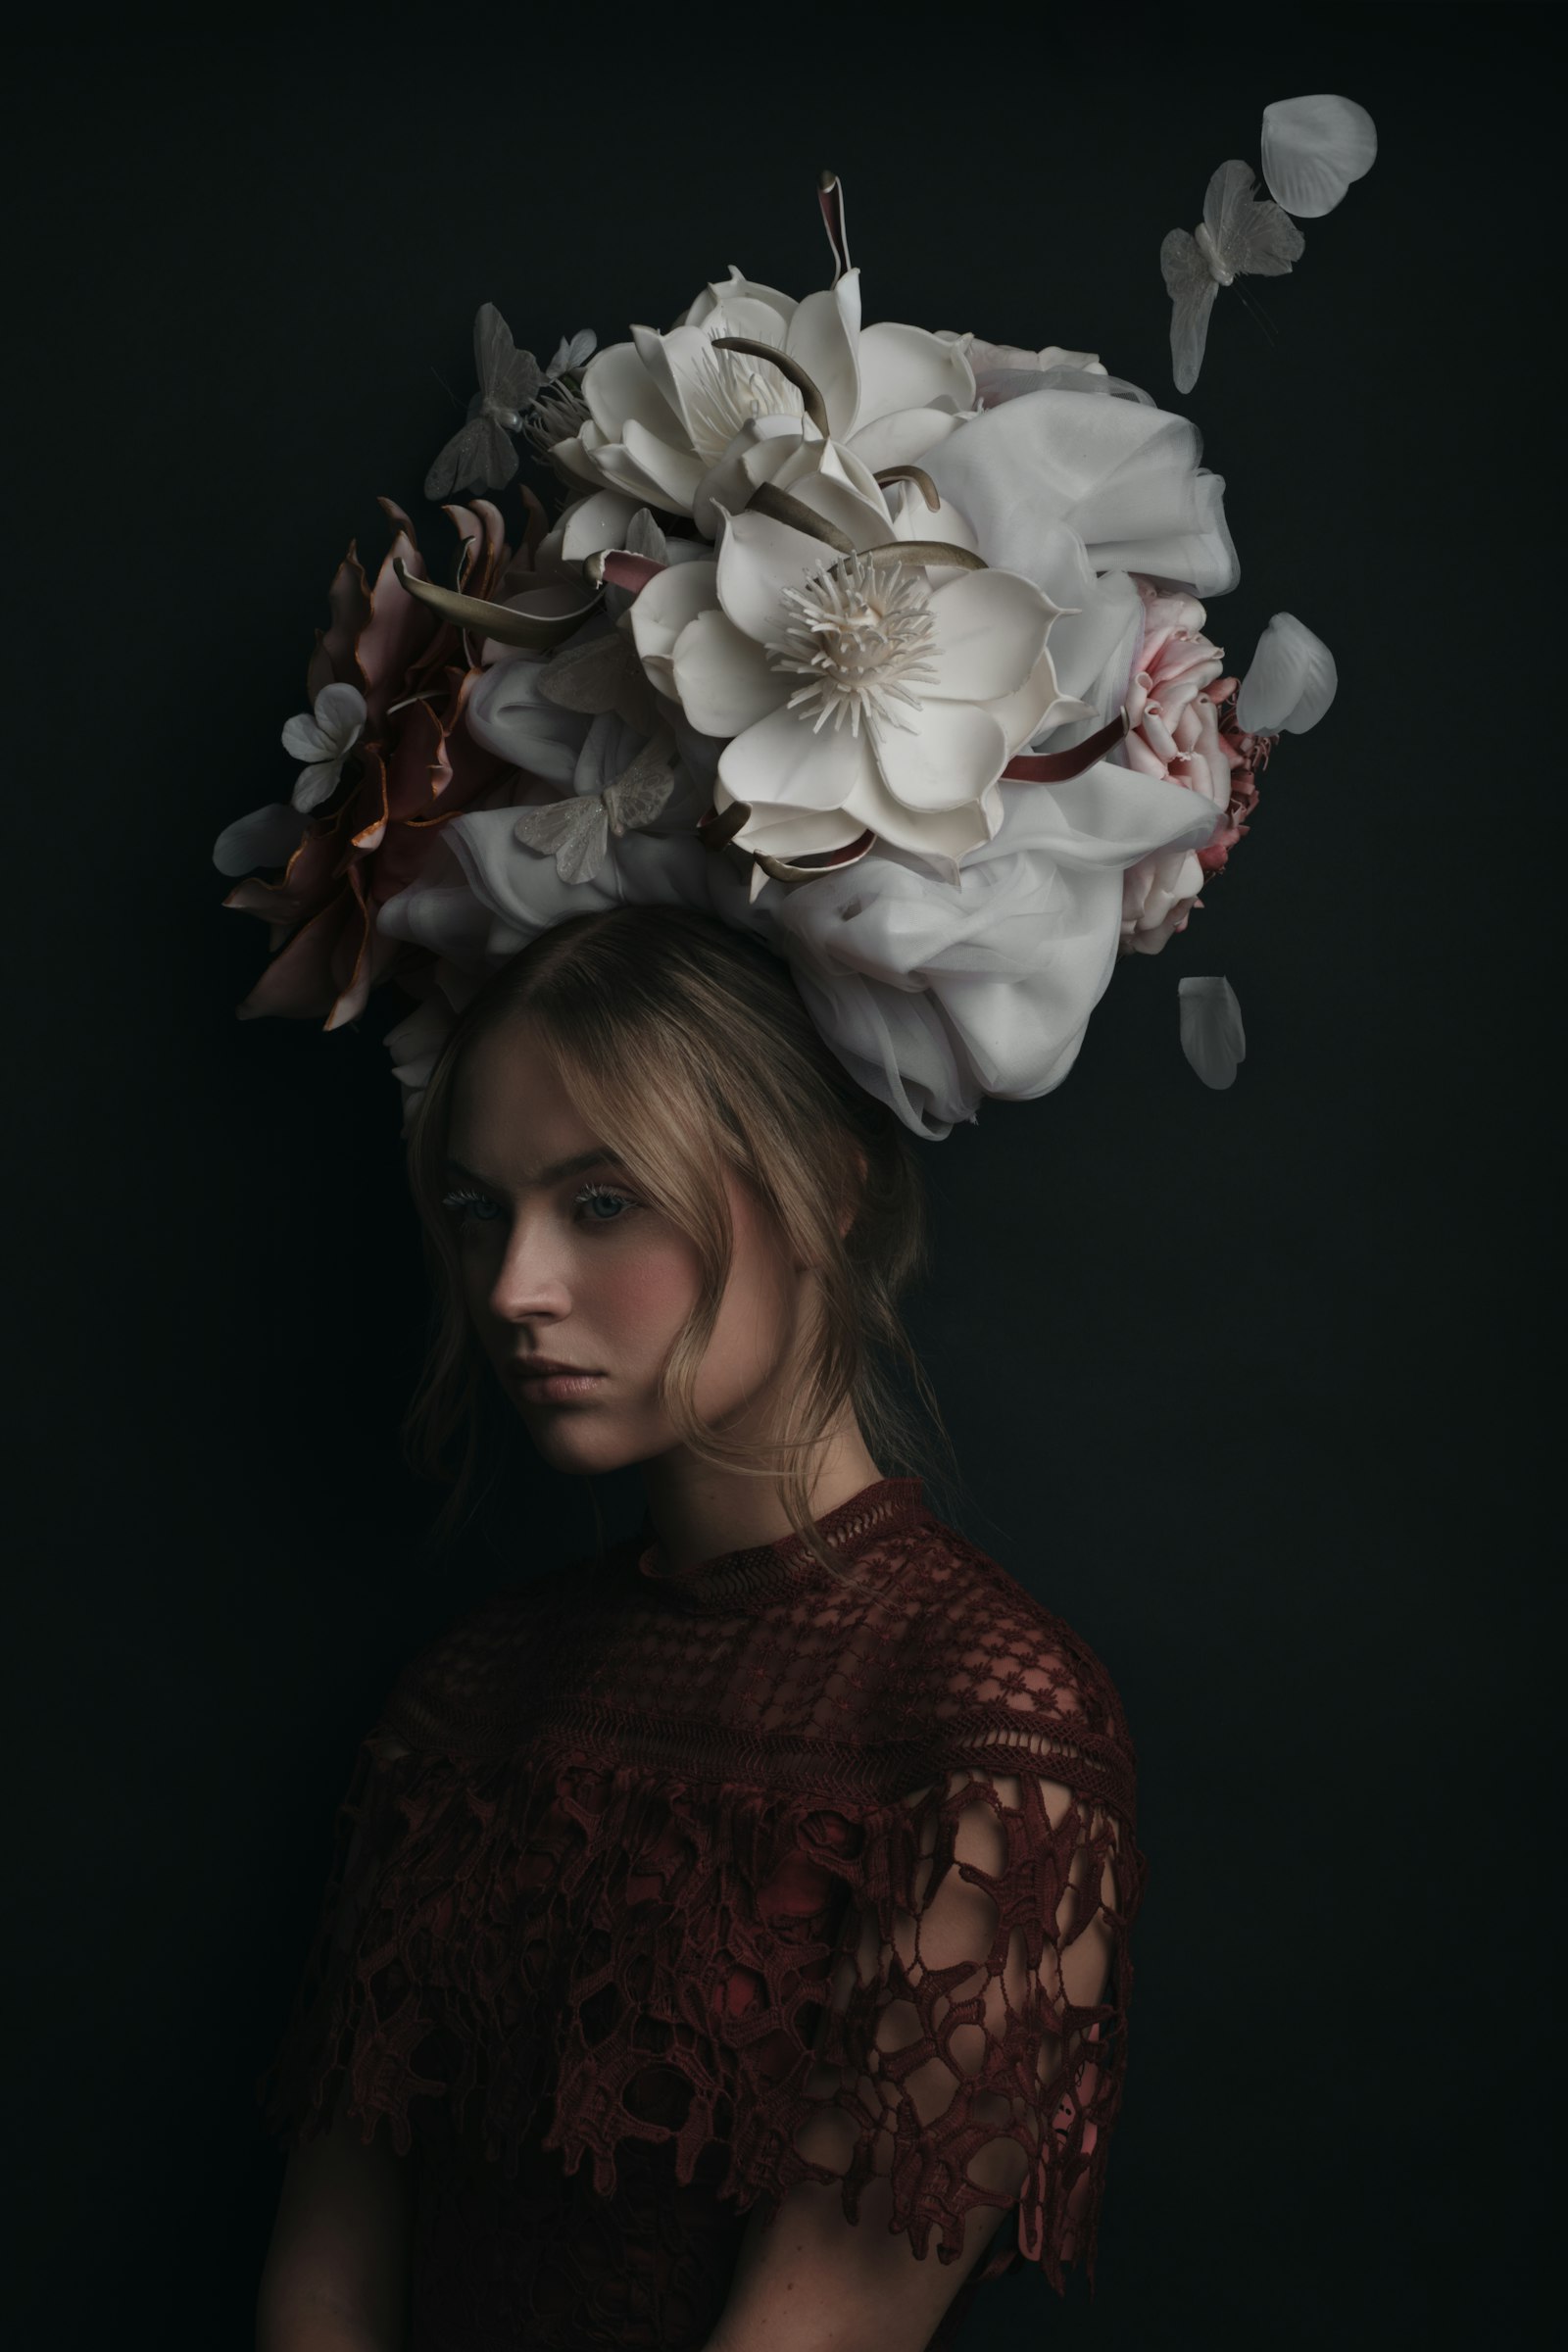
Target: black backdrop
<point x="1240" y="1383"/>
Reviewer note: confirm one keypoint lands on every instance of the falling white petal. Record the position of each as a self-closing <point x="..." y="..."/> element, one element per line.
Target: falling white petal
<point x="1312" y="150"/>
<point x="1212" y="1037"/>
<point x="1290" y="683"/>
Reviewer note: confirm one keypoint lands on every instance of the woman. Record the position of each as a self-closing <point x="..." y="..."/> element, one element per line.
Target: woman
<point x="727" y="1942"/>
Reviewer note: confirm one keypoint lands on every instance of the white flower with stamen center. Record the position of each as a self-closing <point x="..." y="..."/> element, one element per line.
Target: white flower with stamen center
<point x="727" y="391"/>
<point x="669" y="412"/>
<point x="863" y="630"/>
<point x="859" y="692"/>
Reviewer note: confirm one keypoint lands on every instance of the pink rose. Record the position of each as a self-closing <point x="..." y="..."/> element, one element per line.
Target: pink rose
<point x="1181" y="713"/>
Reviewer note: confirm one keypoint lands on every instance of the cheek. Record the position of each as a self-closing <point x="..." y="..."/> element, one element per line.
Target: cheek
<point x="637" y="1296"/>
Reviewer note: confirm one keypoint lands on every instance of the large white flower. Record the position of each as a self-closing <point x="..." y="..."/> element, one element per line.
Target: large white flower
<point x="857" y="690"/>
<point x="665" y="409"/>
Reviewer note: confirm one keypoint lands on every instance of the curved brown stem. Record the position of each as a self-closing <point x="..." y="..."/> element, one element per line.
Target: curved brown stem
<point x="791" y="371"/>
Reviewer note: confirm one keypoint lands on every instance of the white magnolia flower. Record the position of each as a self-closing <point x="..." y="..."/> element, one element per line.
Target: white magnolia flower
<point x="857" y="690"/>
<point x="665" y="409"/>
<point x="324" y="742"/>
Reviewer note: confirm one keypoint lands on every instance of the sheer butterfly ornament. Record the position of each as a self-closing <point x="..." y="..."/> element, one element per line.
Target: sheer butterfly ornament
<point x="884" y="643"/>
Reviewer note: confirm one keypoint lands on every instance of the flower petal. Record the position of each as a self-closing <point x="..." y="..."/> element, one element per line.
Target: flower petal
<point x="1313" y="148"/>
<point x="796" y="833"/>
<point x="948" y="758"/>
<point x="593" y="522"/>
<point x="988" y="630"/>
<point x="758" y="559"/>
<point x="722" y="677"/>
<point x="676" y="472"/>
<point x="910" y="368"/>
<point x="267" y="837"/>
<point x="782" y="763"/>
<point x="303" y="739"/>
<point x="663" y="609"/>
<point x="1290" y="683"/>
<point x="823" y="337"/>
<point x="1212" y="1037"/>
<point x="617" y="385"/>
<point x="732" y="289"/>
<point x="900" y="438"/>
<point x="341" y="710"/>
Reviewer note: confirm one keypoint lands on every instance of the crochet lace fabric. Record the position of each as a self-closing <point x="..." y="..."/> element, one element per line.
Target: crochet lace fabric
<point x="652" y="1896"/>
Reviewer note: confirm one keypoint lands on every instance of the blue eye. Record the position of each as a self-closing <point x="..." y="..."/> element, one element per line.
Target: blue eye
<point x="465" y="1204"/>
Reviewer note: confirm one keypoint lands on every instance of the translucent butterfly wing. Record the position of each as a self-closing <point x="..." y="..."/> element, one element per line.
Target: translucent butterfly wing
<point x="509" y="378"/>
<point x="1251" y="235"/>
<point x="640" y="790"/>
<point x="576" y="829"/>
<point x="478" y="452"/>
<point x="1192" y="286"/>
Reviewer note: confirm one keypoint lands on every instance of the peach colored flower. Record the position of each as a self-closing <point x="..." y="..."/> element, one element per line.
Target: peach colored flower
<point x="1182" y="726"/>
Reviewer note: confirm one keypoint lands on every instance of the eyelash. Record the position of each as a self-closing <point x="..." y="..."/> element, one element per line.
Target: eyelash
<point x="591" y="1192"/>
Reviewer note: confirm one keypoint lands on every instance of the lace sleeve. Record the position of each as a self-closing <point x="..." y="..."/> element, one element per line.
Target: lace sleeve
<point x="342" y="2030"/>
<point x="971" y="2046"/>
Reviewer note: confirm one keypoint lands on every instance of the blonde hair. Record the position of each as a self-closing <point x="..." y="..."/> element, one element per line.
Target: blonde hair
<point x="687" y="1047"/>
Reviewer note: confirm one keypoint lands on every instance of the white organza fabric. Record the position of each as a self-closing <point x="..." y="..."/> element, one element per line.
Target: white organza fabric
<point x="933" y="993"/>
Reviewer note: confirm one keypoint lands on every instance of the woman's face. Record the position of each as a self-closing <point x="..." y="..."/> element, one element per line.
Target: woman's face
<point x="570" y="1263"/>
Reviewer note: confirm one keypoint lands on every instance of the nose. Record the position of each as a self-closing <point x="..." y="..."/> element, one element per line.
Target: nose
<point x="531" y="1280"/>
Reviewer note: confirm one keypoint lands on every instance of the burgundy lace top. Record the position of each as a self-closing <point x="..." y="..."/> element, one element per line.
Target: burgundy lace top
<point x="655" y="1894"/>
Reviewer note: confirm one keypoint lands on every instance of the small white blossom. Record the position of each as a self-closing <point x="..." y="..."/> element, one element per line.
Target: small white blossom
<point x="323" y="742"/>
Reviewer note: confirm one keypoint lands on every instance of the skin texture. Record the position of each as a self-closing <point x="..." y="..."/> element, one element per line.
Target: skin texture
<point x="604" y="1283"/>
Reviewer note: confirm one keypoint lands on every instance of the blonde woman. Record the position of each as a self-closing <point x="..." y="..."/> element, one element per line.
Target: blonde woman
<point x="727" y="1942"/>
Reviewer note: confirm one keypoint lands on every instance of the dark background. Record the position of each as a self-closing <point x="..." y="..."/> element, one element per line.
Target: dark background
<point x="1245" y="1385"/>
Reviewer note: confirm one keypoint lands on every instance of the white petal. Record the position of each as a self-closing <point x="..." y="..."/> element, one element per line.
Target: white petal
<point x="617" y="468"/>
<point x="315" y="784"/>
<point x="676" y="472"/>
<point x="758" y="559"/>
<point x="1212" y="1037"/>
<point x="988" y="632"/>
<point x="1290" y="683"/>
<point x="733" y="288"/>
<point x="783" y="764"/>
<point x="1312" y="150"/>
<point x="722" y="678"/>
<point x="838" y="487"/>
<point x="268" y="836"/>
<point x="593" y="523"/>
<point x="303" y="739"/>
<point x="341" y="710"/>
<point x="663" y="609"/>
<point x="1039" y="704"/>
<point x="759" y="447"/>
<point x="617" y="387"/>
<point x="900" y="438"/>
<point x="948" y="758"/>
<point x="797" y="833"/>
<point x="822" y="337"/>
<point x="576" y="459"/>
<point x="910" y="368"/>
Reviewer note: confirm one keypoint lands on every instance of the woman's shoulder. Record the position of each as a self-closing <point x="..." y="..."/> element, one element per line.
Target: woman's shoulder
<point x="990" y="1647"/>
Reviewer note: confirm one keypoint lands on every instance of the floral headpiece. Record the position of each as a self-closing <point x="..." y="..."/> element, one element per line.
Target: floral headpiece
<point x="883" y="645"/>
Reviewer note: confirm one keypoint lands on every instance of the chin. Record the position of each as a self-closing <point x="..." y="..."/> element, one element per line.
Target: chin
<point x="581" y="1440"/>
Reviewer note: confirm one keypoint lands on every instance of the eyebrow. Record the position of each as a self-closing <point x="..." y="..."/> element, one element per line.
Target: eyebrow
<point x="601" y="1156"/>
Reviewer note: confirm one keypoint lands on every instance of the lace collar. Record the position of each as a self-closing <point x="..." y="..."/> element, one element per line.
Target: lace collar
<point x="772" y="1571"/>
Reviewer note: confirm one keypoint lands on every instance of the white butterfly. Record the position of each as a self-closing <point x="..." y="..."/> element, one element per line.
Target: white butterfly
<point x="1241" y="235"/>
<point x="578" y="828"/>
<point x="481" y="449"/>
<point x="1212" y="1038"/>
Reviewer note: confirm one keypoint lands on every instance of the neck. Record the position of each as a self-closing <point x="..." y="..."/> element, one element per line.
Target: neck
<point x="701" y="1510"/>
